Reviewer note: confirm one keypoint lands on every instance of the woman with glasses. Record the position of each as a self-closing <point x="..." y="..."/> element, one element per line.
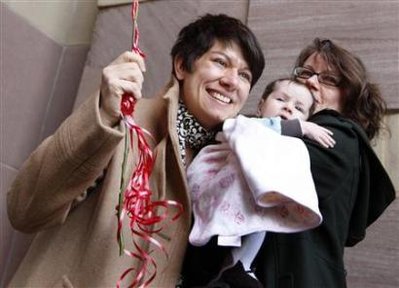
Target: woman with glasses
<point x="352" y="186"/>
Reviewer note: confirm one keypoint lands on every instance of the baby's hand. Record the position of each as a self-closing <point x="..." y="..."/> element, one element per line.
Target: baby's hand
<point x="320" y="134"/>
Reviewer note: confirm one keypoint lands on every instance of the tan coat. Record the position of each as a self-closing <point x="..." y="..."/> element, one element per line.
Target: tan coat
<point x="76" y="245"/>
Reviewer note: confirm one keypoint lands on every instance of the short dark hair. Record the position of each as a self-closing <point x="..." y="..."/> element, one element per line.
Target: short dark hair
<point x="362" y="101"/>
<point x="198" y="37"/>
<point x="272" y="86"/>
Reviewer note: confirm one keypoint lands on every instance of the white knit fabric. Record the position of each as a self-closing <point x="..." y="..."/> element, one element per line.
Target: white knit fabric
<point x="255" y="180"/>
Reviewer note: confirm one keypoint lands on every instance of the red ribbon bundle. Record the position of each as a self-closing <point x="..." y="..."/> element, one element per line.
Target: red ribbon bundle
<point x="135" y="202"/>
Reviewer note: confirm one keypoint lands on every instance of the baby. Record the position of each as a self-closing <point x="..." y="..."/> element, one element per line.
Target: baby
<point x="234" y="187"/>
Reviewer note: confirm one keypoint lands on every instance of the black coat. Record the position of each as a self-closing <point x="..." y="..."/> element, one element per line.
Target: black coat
<point x="353" y="190"/>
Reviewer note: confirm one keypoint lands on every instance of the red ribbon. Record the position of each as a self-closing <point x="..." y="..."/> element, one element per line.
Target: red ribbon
<point x="135" y="30"/>
<point x="135" y="202"/>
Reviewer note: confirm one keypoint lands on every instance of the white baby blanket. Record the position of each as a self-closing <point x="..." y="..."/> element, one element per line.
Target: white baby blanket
<point x="255" y="180"/>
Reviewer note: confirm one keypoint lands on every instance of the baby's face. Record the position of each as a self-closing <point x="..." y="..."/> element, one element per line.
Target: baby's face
<point x="289" y="100"/>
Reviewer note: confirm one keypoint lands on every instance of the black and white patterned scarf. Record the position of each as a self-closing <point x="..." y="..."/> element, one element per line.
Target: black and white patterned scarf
<point x="191" y="134"/>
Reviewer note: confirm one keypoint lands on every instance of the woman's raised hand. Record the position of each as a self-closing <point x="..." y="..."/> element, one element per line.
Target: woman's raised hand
<point x="123" y="76"/>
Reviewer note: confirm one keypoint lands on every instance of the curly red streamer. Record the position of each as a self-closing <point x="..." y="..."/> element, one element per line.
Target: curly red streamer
<point x="137" y="205"/>
<point x="135" y="202"/>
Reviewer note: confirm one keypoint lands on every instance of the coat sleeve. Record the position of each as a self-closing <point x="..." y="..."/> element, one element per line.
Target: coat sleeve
<point x="376" y="193"/>
<point x="291" y="128"/>
<point x="336" y="173"/>
<point x="353" y="187"/>
<point x="61" y="169"/>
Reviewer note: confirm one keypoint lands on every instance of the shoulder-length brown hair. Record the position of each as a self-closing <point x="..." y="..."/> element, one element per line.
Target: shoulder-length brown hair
<point x="362" y="101"/>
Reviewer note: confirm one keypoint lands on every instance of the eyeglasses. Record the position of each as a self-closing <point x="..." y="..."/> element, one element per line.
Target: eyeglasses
<point x="324" y="78"/>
